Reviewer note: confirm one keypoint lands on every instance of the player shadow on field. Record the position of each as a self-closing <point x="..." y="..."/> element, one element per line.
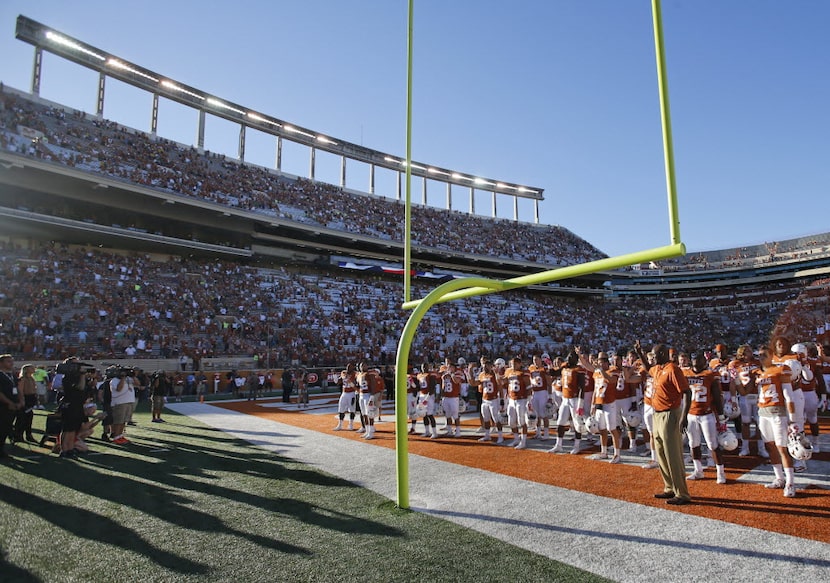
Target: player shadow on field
<point x="96" y="527"/>
<point x="770" y="508"/>
<point x="169" y="429"/>
<point x="629" y="538"/>
<point x="193" y="472"/>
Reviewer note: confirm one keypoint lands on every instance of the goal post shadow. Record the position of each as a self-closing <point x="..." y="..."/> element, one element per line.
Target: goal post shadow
<point x="476" y="286"/>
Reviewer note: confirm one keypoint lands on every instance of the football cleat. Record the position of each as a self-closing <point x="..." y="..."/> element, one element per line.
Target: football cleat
<point x="776" y="484"/>
<point x="789" y="491"/>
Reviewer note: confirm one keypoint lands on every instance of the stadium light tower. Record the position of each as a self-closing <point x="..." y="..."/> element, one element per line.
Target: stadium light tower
<point x="476" y="286"/>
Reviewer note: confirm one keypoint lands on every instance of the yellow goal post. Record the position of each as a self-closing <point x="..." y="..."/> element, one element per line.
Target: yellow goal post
<point x="476" y="286"/>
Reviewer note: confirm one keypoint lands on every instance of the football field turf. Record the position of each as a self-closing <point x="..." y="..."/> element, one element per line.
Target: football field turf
<point x="261" y="492"/>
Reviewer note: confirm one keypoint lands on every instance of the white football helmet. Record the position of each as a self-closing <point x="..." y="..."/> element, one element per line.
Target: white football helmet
<point x="795" y="368"/>
<point x="421" y="409"/>
<point x="499" y="362"/>
<point x="439" y="410"/>
<point x="579" y="424"/>
<point x="727" y="440"/>
<point x="504" y="418"/>
<point x="799" y="447"/>
<point x="633" y="419"/>
<point x="731" y="409"/>
<point x="799" y="348"/>
<point x="371" y="410"/>
<point x="550" y="409"/>
<point x="592" y="425"/>
<point x="462" y="406"/>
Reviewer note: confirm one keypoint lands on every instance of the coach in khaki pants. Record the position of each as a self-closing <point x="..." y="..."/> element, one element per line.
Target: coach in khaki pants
<point x="669" y="387"/>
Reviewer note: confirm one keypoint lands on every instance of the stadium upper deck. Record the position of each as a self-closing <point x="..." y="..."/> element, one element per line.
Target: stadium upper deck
<point x="720" y="295"/>
<point x="72" y="139"/>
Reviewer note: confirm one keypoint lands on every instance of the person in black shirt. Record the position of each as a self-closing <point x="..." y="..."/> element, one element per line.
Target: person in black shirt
<point x="287" y="385"/>
<point x="160" y="387"/>
<point x="9" y="402"/>
<point x="76" y="386"/>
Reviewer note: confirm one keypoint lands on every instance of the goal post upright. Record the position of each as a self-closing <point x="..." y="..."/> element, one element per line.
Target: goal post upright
<point x="476" y="286"/>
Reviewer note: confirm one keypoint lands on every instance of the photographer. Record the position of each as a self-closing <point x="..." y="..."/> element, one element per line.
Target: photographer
<point x="77" y="382"/>
<point x="122" y="385"/>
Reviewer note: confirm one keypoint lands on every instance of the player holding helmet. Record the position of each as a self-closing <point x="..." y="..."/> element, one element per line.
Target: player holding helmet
<point x="604" y="407"/>
<point x="573" y="379"/>
<point x="700" y="410"/>
<point x="775" y="406"/>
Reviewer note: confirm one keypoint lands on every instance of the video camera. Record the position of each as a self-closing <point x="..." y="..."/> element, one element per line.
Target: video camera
<point x="119" y="372"/>
<point x="74" y="368"/>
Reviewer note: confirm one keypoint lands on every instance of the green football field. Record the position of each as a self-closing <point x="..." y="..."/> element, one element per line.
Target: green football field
<point x="187" y="502"/>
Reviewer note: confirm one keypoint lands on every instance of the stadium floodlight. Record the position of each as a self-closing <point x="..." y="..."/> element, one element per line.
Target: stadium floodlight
<point x="294" y="130"/>
<point x="221" y="105"/>
<point x="58" y="39"/>
<point x="172" y="86"/>
<point x="259" y="118"/>
<point x="476" y="286"/>
<point x="124" y="67"/>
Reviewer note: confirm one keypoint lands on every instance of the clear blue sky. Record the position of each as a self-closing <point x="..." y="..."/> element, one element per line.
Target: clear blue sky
<point x="551" y="93"/>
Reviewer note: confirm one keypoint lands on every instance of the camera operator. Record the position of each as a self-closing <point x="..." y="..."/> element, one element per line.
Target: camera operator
<point x="9" y="402"/>
<point x="122" y="384"/>
<point x="105" y="397"/>
<point x="76" y="385"/>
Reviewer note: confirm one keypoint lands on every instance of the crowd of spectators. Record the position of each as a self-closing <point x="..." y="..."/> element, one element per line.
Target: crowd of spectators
<point x="99" y="146"/>
<point x="59" y="301"/>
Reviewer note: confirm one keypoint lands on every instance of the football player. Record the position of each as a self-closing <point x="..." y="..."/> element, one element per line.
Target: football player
<point x="489" y="388"/>
<point x="346" y="404"/>
<point x="604" y="408"/>
<point x="428" y="386"/>
<point x="517" y="382"/>
<point x="540" y="383"/>
<point x="775" y="408"/>
<point x="742" y="373"/>
<point x="573" y="379"/>
<point x="701" y="407"/>
<point x="450" y="394"/>
<point x="369" y="384"/>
